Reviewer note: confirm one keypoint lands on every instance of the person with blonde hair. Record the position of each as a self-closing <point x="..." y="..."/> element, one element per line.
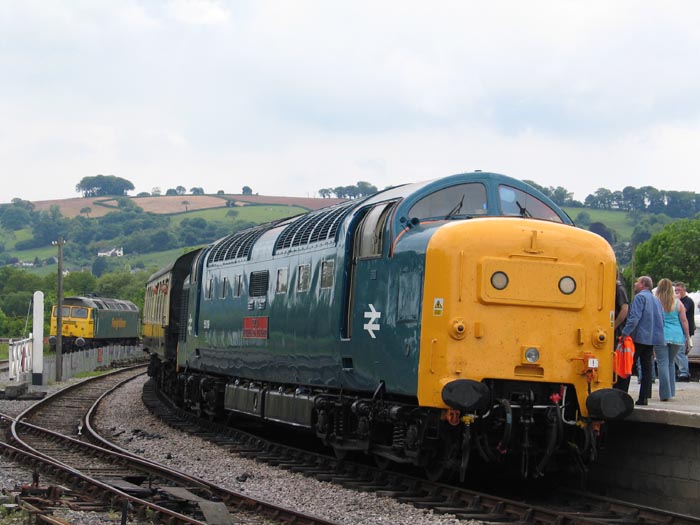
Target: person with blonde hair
<point x="676" y="335"/>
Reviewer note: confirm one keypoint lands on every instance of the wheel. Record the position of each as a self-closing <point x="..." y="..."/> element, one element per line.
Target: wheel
<point x="443" y="463"/>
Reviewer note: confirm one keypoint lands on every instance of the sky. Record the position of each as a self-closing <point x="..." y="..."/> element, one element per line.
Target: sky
<point x="292" y="96"/>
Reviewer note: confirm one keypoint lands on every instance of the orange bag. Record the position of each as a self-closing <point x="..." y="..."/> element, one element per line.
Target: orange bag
<point x="624" y="357"/>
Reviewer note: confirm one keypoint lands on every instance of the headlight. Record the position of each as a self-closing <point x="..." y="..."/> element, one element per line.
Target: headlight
<point x="567" y="285"/>
<point x="532" y="355"/>
<point x="499" y="280"/>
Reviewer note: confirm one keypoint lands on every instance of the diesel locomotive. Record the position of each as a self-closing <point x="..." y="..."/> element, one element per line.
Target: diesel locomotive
<point x="91" y="321"/>
<point x="434" y="324"/>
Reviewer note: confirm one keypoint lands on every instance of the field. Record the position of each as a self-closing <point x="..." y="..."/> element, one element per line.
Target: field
<point x="170" y="204"/>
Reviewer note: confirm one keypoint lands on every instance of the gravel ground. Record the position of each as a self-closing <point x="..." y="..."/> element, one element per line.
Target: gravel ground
<point x="134" y="428"/>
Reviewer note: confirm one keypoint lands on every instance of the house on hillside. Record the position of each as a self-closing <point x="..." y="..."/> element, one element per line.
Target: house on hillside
<point x="112" y="252"/>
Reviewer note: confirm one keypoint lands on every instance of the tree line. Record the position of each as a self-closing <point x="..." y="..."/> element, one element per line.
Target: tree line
<point x="647" y="199"/>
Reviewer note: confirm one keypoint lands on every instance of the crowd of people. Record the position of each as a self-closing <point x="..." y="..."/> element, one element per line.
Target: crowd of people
<point x="661" y="323"/>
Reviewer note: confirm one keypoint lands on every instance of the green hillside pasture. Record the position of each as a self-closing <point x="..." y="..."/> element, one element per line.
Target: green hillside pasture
<point x="254" y="213"/>
<point x="615" y="220"/>
<point x="11" y="238"/>
<point x="154" y="261"/>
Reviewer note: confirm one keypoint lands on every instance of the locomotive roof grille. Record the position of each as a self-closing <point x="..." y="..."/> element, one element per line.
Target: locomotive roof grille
<point x="237" y="245"/>
<point x="315" y="226"/>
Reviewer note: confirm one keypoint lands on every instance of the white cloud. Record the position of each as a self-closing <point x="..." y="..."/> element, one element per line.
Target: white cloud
<point x="200" y="12"/>
<point x="289" y="97"/>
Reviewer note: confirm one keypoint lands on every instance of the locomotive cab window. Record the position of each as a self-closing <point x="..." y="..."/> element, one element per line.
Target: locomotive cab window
<point x="79" y="313"/>
<point x="371" y="231"/>
<point x="463" y="200"/>
<point x="517" y="203"/>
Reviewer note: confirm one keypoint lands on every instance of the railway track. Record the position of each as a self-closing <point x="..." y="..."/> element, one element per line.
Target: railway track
<point x="53" y="437"/>
<point x="562" y="507"/>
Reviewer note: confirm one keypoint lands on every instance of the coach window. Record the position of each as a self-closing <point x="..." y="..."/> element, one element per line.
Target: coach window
<point x="327" y="274"/>
<point x="371" y="231"/>
<point x="282" y="274"/>
<point x="303" y="277"/>
<point x="462" y="200"/>
<point x="516" y="202"/>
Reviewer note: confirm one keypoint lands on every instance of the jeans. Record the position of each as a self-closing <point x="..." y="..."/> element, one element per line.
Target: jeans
<point x="682" y="363"/>
<point x="665" y="357"/>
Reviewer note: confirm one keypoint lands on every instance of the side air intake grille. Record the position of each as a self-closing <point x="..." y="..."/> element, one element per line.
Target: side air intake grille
<point x="320" y="225"/>
<point x="237" y="245"/>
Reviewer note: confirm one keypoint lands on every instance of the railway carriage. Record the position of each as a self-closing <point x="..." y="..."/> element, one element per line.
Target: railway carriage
<point x="91" y="321"/>
<point x="428" y="324"/>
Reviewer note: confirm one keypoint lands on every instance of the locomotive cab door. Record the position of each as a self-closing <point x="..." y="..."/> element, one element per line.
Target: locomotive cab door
<point x="367" y="242"/>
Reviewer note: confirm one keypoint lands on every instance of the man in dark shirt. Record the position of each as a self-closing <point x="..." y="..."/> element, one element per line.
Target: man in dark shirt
<point x="621" y="309"/>
<point x="682" y="357"/>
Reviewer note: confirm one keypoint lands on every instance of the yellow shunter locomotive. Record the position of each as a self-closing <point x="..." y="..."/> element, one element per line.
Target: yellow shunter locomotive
<point x="92" y="321"/>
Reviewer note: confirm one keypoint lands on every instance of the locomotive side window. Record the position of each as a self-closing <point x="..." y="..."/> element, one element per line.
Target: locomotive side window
<point x="282" y="280"/>
<point x="327" y="274"/>
<point x="237" y="285"/>
<point x="209" y="292"/>
<point x="456" y="201"/>
<point x="409" y="296"/>
<point x="303" y="277"/>
<point x="224" y="288"/>
<point x="515" y="202"/>
<point x="259" y="282"/>
<point x="371" y="231"/>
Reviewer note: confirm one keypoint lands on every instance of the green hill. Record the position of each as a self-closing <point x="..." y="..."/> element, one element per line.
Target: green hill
<point x="615" y="220"/>
<point x="224" y="216"/>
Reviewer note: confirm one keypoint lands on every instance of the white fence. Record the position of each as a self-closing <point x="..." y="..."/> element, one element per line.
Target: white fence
<point x="20" y="357"/>
<point x="74" y="363"/>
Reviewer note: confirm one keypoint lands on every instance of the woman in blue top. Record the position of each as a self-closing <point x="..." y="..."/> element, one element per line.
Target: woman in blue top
<point x="676" y="336"/>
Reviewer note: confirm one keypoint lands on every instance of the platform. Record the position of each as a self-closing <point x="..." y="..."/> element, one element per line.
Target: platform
<point x="682" y="410"/>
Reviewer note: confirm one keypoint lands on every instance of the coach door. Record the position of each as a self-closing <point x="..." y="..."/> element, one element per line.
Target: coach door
<point x="365" y="259"/>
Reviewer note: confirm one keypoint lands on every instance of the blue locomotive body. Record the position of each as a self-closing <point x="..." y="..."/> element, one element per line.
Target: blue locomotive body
<point x="374" y="323"/>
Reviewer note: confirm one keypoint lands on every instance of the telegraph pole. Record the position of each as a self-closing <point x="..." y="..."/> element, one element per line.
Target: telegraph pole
<point x="59" y="311"/>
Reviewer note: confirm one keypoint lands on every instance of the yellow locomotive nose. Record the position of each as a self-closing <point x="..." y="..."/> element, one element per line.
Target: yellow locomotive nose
<point x="528" y="307"/>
